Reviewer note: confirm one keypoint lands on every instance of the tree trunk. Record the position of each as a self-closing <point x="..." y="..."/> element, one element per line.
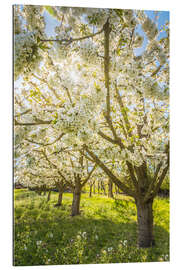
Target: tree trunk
<point x="103" y="188"/>
<point x="110" y="189"/>
<point x="60" y="194"/>
<point x="145" y="224"/>
<point x="75" y="210"/>
<point x="94" y="188"/>
<point x="49" y="196"/>
<point x="39" y="192"/>
<point x="98" y="187"/>
<point x="117" y="190"/>
<point x="60" y="197"/>
<point x="90" y="190"/>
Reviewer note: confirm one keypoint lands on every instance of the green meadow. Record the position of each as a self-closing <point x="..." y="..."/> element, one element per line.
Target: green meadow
<point x="104" y="232"/>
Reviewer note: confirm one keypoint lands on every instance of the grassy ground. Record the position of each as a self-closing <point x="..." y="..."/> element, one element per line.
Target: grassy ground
<point x="105" y="232"/>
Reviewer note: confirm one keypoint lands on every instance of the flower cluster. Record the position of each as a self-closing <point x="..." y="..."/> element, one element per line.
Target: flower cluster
<point x="34" y="18"/>
<point x="150" y="28"/>
<point x="27" y="56"/>
<point x="138" y="41"/>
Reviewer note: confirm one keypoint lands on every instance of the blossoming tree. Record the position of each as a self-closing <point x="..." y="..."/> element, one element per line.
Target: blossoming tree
<point x="43" y="167"/>
<point x="88" y="85"/>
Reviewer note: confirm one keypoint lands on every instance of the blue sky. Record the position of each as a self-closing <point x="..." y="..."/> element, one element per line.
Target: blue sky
<point x="51" y="23"/>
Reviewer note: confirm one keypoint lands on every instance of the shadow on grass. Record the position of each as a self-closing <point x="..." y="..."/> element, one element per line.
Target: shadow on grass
<point x="56" y="239"/>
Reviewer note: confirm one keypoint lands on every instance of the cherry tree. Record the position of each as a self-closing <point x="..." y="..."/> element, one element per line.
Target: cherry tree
<point x="88" y="85"/>
<point x="75" y="170"/>
<point x="34" y="173"/>
<point x="45" y="166"/>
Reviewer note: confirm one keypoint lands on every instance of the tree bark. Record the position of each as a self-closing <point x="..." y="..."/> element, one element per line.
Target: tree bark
<point x="94" y="187"/>
<point x="117" y="190"/>
<point x="39" y="192"/>
<point x="60" y="195"/>
<point x="49" y="196"/>
<point x="110" y="189"/>
<point x="145" y="224"/>
<point x="90" y="190"/>
<point x="98" y="187"/>
<point x="103" y="188"/>
<point x="75" y="210"/>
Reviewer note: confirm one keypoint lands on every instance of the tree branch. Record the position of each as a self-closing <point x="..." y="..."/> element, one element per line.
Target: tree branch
<point x="114" y="179"/>
<point x="25" y="112"/>
<point x="69" y="41"/>
<point x="39" y="122"/>
<point x="131" y="172"/>
<point x="107" y="138"/>
<point x="89" y="175"/>
<point x="153" y="190"/>
<point x="107" y="31"/>
<point x="46" y="144"/>
<point x="163" y="174"/>
<point x="123" y="111"/>
<point x="50" y="87"/>
<point x="156" y="71"/>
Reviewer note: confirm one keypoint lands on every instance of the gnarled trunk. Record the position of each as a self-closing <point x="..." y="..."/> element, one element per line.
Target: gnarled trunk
<point x="145" y="224"/>
<point x="75" y="210"/>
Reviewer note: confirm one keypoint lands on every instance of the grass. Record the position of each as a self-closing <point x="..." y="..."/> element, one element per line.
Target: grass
<point x="105" y="232"/>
